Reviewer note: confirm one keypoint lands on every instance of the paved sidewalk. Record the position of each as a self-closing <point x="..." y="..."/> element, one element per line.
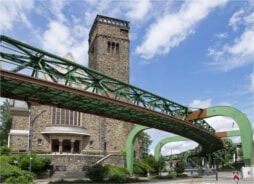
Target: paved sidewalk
<point x="223" y="178"/>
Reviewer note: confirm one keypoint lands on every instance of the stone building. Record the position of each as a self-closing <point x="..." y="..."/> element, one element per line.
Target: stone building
<point x="64" y="132"/>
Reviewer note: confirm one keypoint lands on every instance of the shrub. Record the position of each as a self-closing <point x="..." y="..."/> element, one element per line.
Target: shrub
<point x="141" y="168"/>
<point x="19" y="179"/>
<point x="39" y="164"/>
<point x="172" y="174"/>
<point x="116" y="178"/>
<point x="117" y="174"/>
<point x="180" y="166"/>
<point x="116" y="170"/>
<point x="4" y="150"/>
<point x="96" y="173"/>
<point x="11" y="173"/>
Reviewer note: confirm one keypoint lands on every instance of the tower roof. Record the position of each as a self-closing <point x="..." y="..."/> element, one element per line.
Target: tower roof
<point x="110" y="21"/>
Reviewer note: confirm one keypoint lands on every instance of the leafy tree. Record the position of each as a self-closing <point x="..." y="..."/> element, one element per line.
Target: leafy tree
<point x="149" y="165"/>
<point x="150" y="160"/>
<point x="145" y="141"/>
<point x="5" y="122"/>
<point x="180" y="166"/>
<point x="228" y="150"/>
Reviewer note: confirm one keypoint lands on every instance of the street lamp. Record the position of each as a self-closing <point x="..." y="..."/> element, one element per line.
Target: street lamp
<point x="161" y="159"/>
<point x="31" y="122"/>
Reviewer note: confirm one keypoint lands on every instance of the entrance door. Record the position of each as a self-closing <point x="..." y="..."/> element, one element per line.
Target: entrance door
<point x="55" y="145"/>
<point x="76" y="147"/>
<point x="67" y="146"/>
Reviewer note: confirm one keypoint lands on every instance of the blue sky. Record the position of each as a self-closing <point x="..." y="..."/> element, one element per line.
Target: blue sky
<point x="199" y="53"/>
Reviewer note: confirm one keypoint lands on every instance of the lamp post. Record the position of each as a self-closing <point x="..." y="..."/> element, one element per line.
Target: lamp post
<point x="30" y="136"/>
<point x="160" y="159"/>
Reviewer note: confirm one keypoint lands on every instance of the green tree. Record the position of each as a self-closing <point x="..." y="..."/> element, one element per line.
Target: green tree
<point x="228" y="150"/>
<point x="5" y="122"/>
<point x="145" y="141"/>
<point x="180" y="166"/>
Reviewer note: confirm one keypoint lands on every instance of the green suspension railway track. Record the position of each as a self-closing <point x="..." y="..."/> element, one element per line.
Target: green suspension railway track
<point x="31" y="74"/>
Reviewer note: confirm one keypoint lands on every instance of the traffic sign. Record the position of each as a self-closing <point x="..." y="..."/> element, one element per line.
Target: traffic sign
<point x="236" y="175"/>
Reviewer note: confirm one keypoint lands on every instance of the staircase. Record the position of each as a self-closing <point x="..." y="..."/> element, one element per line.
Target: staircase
<point x="68" y="174"/>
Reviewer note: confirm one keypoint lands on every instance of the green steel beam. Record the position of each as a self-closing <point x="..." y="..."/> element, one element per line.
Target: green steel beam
<point x="49" y="79"/>
<point x="130" y="146"/>
<point x="244" y="125"/>
<point x="22" y="58"/>
<point x="164" y="141"/>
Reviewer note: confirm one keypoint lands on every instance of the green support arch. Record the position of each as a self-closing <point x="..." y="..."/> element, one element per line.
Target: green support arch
<point x="180" y="138"/>
<point x="244" y="124"/>
<point x="164" y="141"/>
<point x="245" y="132"/>
<point x="158" y="147"/>
<point x="130" y="146"/>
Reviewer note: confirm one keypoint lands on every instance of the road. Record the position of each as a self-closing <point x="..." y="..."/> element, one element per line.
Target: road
<point x="223" y="178"/>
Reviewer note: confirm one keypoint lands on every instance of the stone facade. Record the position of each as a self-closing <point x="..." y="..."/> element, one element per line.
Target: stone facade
<point x="88" y="134"/>
<point x="109" y="54"/>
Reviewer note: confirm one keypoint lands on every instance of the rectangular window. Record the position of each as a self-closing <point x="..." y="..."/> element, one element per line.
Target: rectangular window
<point x="39" y="142"/>
<point x="65" y="117"/>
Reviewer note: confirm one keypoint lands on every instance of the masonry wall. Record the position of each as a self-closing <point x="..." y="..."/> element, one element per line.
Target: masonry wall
<point x="109" y="54"/>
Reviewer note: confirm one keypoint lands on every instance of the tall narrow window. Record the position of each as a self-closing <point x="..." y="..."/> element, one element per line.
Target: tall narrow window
<point x="108" y="49"/>
<point x="117" y="49"/>
<point x="65" y="117"/>
<point x="113" y="48"/>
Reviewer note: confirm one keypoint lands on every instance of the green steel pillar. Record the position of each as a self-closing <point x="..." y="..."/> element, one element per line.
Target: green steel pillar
<point x="244" y="124"/>
<point x="158" y="147"/>
<point x="130" y="146"/>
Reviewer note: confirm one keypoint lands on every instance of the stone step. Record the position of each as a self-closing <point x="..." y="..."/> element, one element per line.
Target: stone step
<point x="63" y="174"/>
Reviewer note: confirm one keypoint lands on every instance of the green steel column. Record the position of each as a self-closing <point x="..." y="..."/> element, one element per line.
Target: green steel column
<point x="244" y="126"/>
<point x="158" y="147"/>
<point x="130" y="146"/>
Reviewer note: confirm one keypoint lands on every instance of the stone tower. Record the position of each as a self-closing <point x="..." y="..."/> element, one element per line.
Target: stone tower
<point x="109" y="54"/>
<point x="109" y="47"/>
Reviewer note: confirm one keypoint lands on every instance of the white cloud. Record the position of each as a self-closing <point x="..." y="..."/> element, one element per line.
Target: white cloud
<point x="221" y="35"/>
<point x="243" y="46"/>
<point x="201" y="104"/>
<point x="170" y="30"/>
<point x="56" y="7"/>
<point x="241" y="51"/>
<point x="138" y="9"/>
<point x="69" y="39"/>
<point x="178" y="147"/>
<point x="55" y="40"/>
<point x="222" y="123"/>
<point x="14" y="11"/>
<point x="236" y="19"/>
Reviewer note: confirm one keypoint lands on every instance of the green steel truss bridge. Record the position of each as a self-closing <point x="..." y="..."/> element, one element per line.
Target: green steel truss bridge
<point x="31" y="74"/>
